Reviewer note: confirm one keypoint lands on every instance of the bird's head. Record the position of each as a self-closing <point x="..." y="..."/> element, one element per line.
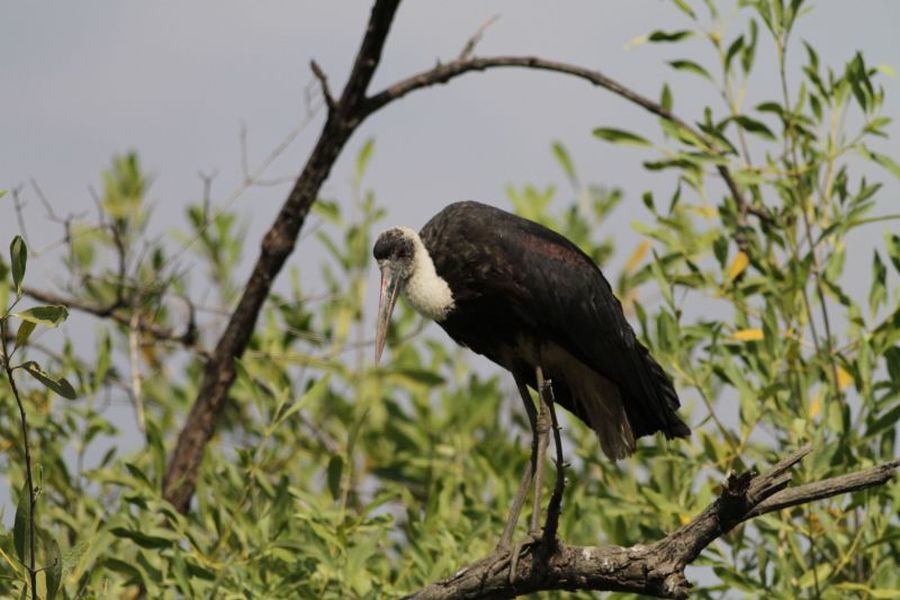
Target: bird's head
<point x="406" y="267"/>
<point x="395" y="251"/>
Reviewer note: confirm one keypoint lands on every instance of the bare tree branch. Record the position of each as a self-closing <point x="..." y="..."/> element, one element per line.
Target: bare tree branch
<point x="116" y="311"/>
<point x="278" y="243"/>
<point x="442" y="73"/>
<point x="655" y="569"/>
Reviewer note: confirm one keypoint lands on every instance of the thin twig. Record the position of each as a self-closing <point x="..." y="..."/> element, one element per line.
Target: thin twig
<point x="245" y="169"/>
<point x="188" y="339"/>
<point x="137" y="395"/>
<point x="323" y="81"/>
<point x="473" y="41"/>
<point x="29" y="477"/>
<point x="207" y="179"/>
<point x="18" y="206"/>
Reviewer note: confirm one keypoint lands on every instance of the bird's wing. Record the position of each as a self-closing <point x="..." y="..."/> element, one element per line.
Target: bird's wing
<point x="561" y="292"/>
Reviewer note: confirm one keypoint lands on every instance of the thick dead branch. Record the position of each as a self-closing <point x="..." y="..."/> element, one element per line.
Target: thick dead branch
<point x="278" y="243"/>
<point x="657" y="568"/>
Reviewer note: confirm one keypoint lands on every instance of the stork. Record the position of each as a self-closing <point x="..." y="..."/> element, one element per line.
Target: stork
<point x="531" y="301"/>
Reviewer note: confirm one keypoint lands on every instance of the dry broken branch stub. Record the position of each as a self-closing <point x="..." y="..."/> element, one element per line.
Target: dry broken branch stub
<point x="656" y="568"/>
<point x="323" y="81"/>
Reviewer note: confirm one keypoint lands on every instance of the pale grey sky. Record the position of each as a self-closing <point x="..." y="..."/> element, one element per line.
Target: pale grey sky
<point x="174" y="81"/>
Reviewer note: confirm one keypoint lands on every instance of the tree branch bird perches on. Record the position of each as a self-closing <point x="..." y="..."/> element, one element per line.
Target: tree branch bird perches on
<point x="531" y="301"/>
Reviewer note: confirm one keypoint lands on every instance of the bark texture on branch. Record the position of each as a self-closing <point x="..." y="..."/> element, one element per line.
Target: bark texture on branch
<point x="657" y="568"/>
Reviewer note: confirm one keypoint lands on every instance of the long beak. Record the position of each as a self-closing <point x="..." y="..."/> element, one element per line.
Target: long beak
<point x="390" y="285"/>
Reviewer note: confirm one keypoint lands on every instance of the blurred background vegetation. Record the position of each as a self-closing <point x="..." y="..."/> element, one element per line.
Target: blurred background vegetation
<point x="331" y="478"/>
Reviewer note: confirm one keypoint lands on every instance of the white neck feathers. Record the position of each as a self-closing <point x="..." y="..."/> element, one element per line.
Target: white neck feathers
<point x="425" y="290"/>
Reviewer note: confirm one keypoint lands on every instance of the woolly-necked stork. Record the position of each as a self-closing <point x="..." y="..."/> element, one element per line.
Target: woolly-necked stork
<point x="531" y="301"/>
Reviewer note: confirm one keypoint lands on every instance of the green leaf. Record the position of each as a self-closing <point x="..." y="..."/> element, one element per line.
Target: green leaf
<point x="52" y="566"/>
<point x="858" y="78"/>
<point x="720" y="250"/>
<point x="661" y="37"/>
<point x="144" y="540"/>
<point x="328" y="210"/>
<point x="753" y="126"/>
<point x="812" y="56"/>
<point x="878" y="289"/>
<point x="619" y="136"/>
<point x="18" y="252"/>
<point x="819" y="573"/>
<point x="771" y="107"/>
<point x="23" y="334"/>
<point x="669" y="36"/>
<point x="362" y="159"/>
<point x="691" y="67"/>
<point x="682" y="134"/>
<point x="565" y="161"/>
<point x="50" y="316"/>
<point x="886" y="422"/>
<point x="733" y="49"/>
<point x="21" y="527"/>
<point x="56" y="384"/>
<point x="314" y="394"/>
<point x="335" y="470"/>
<point x="749" y="51"/>
<point x="420" y="376"/>
<point x="123" y="567"/>
<point x="893" y="247"/>
<point x="665" y="99"/>
<point x="887" y="162"/>
<point x="685" y="8"/>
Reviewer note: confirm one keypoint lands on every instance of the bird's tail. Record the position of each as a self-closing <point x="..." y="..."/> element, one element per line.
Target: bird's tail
<point x="659" y="411"/>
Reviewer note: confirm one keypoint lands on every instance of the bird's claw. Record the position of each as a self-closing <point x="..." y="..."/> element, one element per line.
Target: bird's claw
<point x="533" y="538"/>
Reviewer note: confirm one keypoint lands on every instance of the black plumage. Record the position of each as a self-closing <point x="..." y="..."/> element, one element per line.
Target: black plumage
<point x="524" y="296"/>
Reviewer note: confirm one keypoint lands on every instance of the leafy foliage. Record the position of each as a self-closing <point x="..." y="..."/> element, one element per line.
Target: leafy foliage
<point x="332" y="478"/>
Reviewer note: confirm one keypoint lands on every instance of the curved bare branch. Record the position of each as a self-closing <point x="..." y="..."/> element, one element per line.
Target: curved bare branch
<point x="657" y="568"/>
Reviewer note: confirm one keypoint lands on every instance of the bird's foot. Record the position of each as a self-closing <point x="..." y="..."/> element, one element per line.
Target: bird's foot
<point x="533" y="538"/>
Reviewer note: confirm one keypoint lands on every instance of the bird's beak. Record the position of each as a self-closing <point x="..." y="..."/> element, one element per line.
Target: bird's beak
<point x="390" y="285"/>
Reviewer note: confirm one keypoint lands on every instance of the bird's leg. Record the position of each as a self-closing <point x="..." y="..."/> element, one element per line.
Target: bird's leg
<point x="519" y="501"/>
<point x="539" y="431"/>
<point x="542" y="432"/>
<point x="553" y="509"/>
